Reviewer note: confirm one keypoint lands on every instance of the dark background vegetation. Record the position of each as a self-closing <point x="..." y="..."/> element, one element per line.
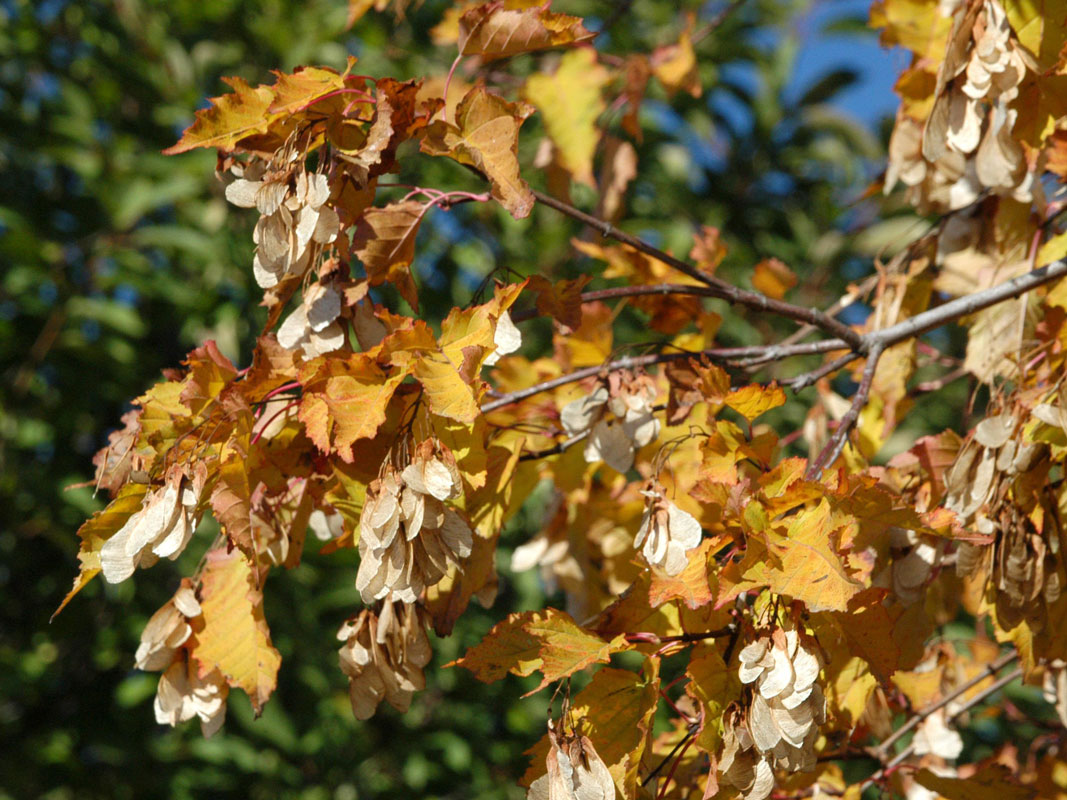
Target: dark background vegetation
<point x="116" y="260"/>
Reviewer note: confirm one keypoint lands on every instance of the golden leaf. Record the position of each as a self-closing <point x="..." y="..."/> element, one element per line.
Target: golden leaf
<point x="570" y="102"/>
<point x="548" y="641"/>
<point x="486" y="137"/>
<point x="992" y="782"/>
<point x="235" y="638"/>
<point x="752" y="401"/>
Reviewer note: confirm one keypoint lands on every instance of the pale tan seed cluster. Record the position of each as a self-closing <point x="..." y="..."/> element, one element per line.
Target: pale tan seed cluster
<point x="295" y="221"/>
<point x="161" y="528"/>
<point x="182" y="694"/>
<point x="408" y="537"/>
<point x="575" y="771"/>
<point x="779" y="727"/>
<point x="614" y="438"/>
<point x="1023" y="562"/>
<point x="667" y="533"/>
<point x="312" y="327"/>
<point x="966" y="147"/>
<point x="383" y="656"/>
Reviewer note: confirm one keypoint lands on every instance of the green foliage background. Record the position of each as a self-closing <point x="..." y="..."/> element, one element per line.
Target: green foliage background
<point x="116" y="260"/>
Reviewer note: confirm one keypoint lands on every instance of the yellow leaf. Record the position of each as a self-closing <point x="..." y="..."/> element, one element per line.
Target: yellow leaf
<point x="486" y="137"/>
<point x="495" y="30"/>
<point x="548" y="641"/>
<point x="231" y="118"/>
<point x="915" y="24"/>
<point x="695" y="585"/>
<point x="752" y="401"/>
<point x="1039" y="26"/>
<point x="98" y="529"/>
<point x="235" y="638"/>
<point x="773" y="278"/>
<point x="616" y="709"/>
<point x="570" y="102"/>
<point x="676" y="66"/>
<point x="1052" y="250"/>
<point x="714" y="685"/>
<point x="447" y="393"/>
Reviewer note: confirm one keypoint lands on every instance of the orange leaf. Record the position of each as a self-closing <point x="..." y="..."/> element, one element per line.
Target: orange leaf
<point x="345" y="400"/>
<point x="561" y="300"/>
<point x="486" y="137"/>
<point x="887" y="638"/>
<point x="752" y="401"/>
<point x="773" y="278"/>
<point x="385" y="242"/>
<point x="492" y="30"/>
<point x="695" y="585"/>
<point x="547" y="641"/>
<point x="231" y="500"/>
<point x="235" y="638"/>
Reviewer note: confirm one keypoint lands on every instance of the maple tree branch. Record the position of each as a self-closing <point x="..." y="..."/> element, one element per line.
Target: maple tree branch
<point x="722" y="289"/>
<point x="989" y="670"/>
<point x="724" y="354"/>
<point x="908" y="751"/>
<point x="969" y="304"/>
<point x="808" y="378"/>
<point x="836" y="443"/>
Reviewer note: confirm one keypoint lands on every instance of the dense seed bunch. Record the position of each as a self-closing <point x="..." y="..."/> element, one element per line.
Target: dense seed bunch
<point x="408" y="536"/>
<point x="632" y="424"/>
<point x="383" y="656"/>
<point x="667" y="533"/>
<point x="779" y="727"/>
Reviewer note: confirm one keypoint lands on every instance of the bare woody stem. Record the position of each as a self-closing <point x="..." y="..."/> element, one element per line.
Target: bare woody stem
<point x="722" y="289"/>
<point x="717" y="354"/>
<point x="908" y="751"/>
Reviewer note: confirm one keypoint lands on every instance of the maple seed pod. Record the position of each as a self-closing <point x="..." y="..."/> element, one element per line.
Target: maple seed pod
<point x="574" y="771"/>
<point x="408" y="536"/>
<point x="667" y="532"/>
<point x="161" y="528"/>
<point x="633" y="424"/>
<point x="168" y="629"/>
<point x="183" y="694"/>
<point x="383" y="657"/>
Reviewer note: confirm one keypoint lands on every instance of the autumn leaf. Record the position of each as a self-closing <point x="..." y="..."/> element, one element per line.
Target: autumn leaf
<point x="754" y="400"/>
<point x="546" y="641"/>
<point x="561" y="300"/>
<point x="712" y="683"/>
<point x="231" y="500"/>
<point x="306" y="85"/>
<point x="231" y="118"/>
<point x="773" y="278"/>
<point x="493" y="30"/>
<point x="570" y="102"/>
<point x="447" y="393"/>
<point x="695" y="585"/>
<point x="100" y="527"/>
<point x="887" y="638"/>
<point x="385" y="242"/>
<point x="345" y="400"/>
<point x="676" y="67"/>
<point x="486" y="137"/>
<point x="235" y="639"/>
<point x="991" y="782"/>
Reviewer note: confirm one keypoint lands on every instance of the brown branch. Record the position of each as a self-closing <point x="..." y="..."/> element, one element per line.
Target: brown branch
<point x="909" y="751"/>
<point x="722" y="289"/>
<point x="836" y="444"/>
<point x="808" y="378"/>
<point x="988" y="671"/>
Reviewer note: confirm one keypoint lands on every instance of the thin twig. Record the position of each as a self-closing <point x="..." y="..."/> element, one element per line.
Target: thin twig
<point x="908" y="751"/>
<point x="808" y="378"/>
<point x="723" y="290"/>
<point x="988" y="671"/>
<point x="836" y="444"/>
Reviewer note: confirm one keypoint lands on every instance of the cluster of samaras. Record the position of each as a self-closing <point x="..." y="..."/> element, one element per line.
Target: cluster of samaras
<point x="800" y="597"/>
